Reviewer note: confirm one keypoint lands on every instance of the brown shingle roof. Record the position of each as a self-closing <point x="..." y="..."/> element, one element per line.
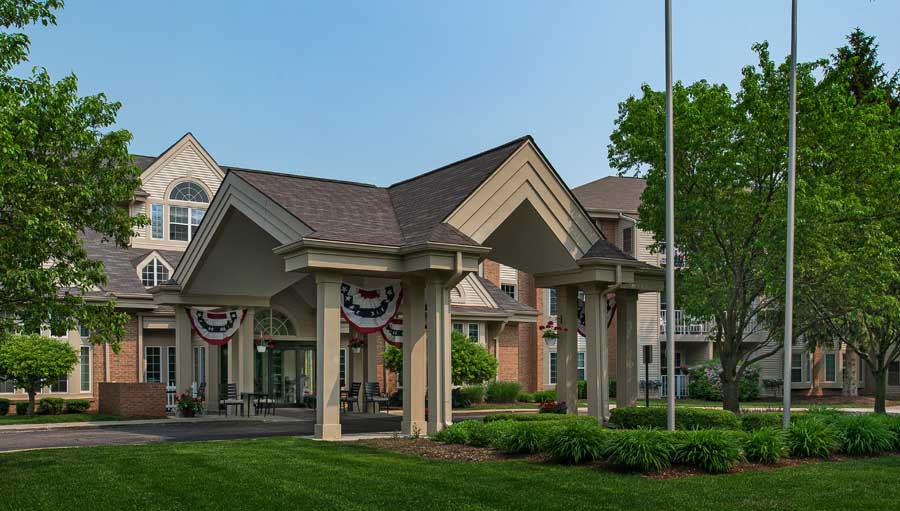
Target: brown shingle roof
<point x="612" y="193"/>
<point x="120" y="264"/>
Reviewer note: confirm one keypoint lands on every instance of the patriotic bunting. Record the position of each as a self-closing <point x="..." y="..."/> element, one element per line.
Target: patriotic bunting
<point x="216" y="328"/>
<point x="393" y="332"/>
<point x="369" y="310"/>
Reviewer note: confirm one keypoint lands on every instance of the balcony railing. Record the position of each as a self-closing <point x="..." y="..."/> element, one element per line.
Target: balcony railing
<point x="684" y="325"/>
<point x="681" y="386"/>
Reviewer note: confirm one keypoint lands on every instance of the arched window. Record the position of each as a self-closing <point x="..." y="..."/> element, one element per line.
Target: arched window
<point x="189" y="191"/>
<point x="185" y="220"/>
<point x="154" y="273"/>
<point x="272" y="322"/>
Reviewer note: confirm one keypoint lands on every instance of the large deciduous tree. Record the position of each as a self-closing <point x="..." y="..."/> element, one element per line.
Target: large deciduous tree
<point x="63" y="171"/>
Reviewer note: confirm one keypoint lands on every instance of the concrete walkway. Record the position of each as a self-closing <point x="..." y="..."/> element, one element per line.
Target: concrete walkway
<point x="44" y="436"/>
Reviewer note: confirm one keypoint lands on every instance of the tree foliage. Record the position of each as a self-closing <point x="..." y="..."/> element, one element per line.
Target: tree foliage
<point x="33" y="361"/>
<point x="470" y="362"/>
<point x="64" y="172"/>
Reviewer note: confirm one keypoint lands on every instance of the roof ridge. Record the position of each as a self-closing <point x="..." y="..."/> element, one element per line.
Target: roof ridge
<point x="472" y="157"/>
<point x="229" y="168"/>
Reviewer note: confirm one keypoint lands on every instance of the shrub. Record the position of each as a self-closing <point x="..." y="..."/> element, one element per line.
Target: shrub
<point x="21" y="407"/>
<point x="685" y="418"/>
<point x="573" y="442"/>
<point x="705" y="382"/>
<point x="468" y="395"/>
<point x="612" y="388"/>
<point x="552" y="407"/>
<point x="712" y="450"/>
<point x="811" y="437"/>
<point x="525" y="397"/>
<point x="864" y="434"/>
<point x="77" y="405"/>
<point x="544" y="396"/>
<point x="393" y="358"/>
<point x="759" y="420"/>
<point x="51" y="405"/>
<point x="764" y="445"/>
<point x="893" y="424"/>
<point x="582" y="389"/>
<point x="526" y="417"/>
<point x="4" y="406"/>
<point x="470" y="362"/>
<point x="502" y="391"/>
<point x="526" y="437"/>
<point x="641" y="449"/>
<point x="487" y="434"/>
<point x="457" y="433"/>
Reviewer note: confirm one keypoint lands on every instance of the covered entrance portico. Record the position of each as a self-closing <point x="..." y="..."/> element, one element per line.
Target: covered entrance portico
<point x="289" y="243"/>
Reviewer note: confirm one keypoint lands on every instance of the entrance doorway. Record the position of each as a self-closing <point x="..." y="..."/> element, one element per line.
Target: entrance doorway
<point x="286" y="372"/>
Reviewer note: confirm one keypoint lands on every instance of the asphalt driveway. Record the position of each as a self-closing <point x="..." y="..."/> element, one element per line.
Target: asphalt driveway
<point x="123" y="433"/>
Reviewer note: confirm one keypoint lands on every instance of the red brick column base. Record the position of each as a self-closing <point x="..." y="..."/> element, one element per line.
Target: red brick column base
<point x="133" y="399"/>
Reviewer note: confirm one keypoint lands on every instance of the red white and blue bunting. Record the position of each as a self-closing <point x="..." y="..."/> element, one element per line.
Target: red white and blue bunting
<point x="610" y="313"/>
<point x="369" y="310"/>
<point x="393" y="332"/>
<point x="216" y="328"/>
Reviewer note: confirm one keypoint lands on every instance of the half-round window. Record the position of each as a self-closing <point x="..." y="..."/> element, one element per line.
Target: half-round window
<point x="272" y="322"/>
<point x="189" y="191"/>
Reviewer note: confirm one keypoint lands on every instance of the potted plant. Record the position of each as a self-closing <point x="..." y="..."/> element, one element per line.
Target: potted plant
<point x="550" y="332"/>
<point x="188" y="405"/>
<point x="356" y="345"/>
<point x="263" y="341"/>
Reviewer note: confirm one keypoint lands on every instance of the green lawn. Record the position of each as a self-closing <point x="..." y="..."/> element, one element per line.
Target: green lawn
<point x="286" y="473"/>
<point x="55" y="419"/>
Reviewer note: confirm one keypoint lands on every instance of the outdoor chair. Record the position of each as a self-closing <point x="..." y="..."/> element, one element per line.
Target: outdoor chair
<point x="231" y="399"/>
<point x="351" y="396"/>
<point x="374" y="396"/>
<point x="201" y="393"/>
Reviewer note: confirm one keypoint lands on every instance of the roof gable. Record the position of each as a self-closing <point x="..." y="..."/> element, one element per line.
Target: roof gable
<point x="187" y="141"/>
<point x="612" y="193"/>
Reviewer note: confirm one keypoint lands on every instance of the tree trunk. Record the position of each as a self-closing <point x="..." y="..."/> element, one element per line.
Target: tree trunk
<point x="31" y="403"/>
<point x="850" y="387"/>
<point x="731" y="395"/>
<point x="880" y="389"/>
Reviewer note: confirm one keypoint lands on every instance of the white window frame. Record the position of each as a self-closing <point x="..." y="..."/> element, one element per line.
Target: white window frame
<point x="515" y="290"/>
<point x="799" y="356"/>
<point x="190" y="221"/>
<point x="50" y="386"/>
<point x="147" y="365"/>
<point x="161" y="224"/>
<point x="825" y="357"/>
<point x="581" y="366"/>
<point x="468" y="332"/>
<point x="171" y="357"/>
<point x="90" y="366"/>
<point x="459" y="326"/>
<point x="154" y="260"/>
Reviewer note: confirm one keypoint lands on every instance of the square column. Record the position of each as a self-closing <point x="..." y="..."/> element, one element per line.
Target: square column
<point x="213" y="370"/>
<point x="328" y="353"/>
<point x="437" y="298"/>
<point x="183" y="333"/>
<point x="567" y="348"/>
<point x="626" y="347"/>
<point x="597" y="356"/>
<point x="414" y="342"/>
<point x="371" y="350"/>
<point x="246" y="353"/>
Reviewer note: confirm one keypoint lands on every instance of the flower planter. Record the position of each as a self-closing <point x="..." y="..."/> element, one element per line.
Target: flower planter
<point x="550" y="342"/>
<point x="261" y="348"/>
<point x="356" y="349"/>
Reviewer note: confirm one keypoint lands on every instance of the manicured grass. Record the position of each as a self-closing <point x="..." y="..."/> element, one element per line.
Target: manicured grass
<point x="55" y="419"/>
<point x="286" y="473"/>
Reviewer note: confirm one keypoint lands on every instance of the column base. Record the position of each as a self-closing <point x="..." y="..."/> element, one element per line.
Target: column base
<point x="414" y="428"/>
<point x="434" y="427"/>
<point x="328" y="432"/>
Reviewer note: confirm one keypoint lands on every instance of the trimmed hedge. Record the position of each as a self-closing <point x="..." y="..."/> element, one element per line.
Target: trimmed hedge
<point x="502" y="391"/>
<point x="51" y="405"/>
<point x="21" y="407"/>
<point x="4" y="406"/>
<point x="759" y="420"/>
<point x="528" y="417"/>
<point x="468" y="395"/>
<point x="545" y="396"/>
<point x="525" y="397"/>
<point x="685" y="418"/>
<point x="457" y="433"/>
<point x="77" y="405"/>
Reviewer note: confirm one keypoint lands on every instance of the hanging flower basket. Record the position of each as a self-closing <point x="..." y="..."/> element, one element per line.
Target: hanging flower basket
<point x="262" y="342"/>
<point x="356" y="345"/>
<point x="550" y="333"/>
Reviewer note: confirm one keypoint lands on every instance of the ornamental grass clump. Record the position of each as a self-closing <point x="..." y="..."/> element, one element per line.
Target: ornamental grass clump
<point x="576" y="441"/>
<point x="764" y="445"/>
<point x="646" y="450"/>
<point x="456" y="433"/>
<point x="525" y="437"/>
<point x="812" y="438"/>
<point x="712" y="450"/>
<point x="864" y="434"/>
<point x="893" y="424"/>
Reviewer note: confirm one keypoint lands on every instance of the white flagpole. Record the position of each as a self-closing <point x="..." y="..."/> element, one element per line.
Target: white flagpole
<point x="789" y="256"/>
<point x="670" y="229"/>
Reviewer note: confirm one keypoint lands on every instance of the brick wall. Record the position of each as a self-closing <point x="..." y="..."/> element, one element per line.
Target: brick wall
<point x="492" y="271"/>
<point x="508" y="355"/>
<point x="133" y="399"/>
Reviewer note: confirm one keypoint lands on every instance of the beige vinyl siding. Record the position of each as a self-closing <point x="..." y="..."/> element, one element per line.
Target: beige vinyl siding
<point x="187" y="164"/>
<point x="139" y="208"/>
<point x="470" y="293"/>
<point x="648" y="332"/>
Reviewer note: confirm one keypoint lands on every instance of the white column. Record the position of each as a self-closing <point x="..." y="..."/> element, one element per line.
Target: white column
<point x="440" y="411"/>
<point x="567" y="348"/>
<point x="372" y="357"/>
<point x="328" y="348"/>
<point x="626" y="348"/>
<point x="246" y="351"/>
<point x="597" y="356"/>
<point x="413" y="357"/>
<point x="183" y="331"/>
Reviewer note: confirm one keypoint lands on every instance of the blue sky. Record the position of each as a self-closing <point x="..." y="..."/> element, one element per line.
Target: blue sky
<point x="380" y="91"/>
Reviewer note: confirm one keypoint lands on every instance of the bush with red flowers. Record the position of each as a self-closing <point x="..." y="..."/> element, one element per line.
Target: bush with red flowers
<point x="553" y="407"/>
<point x="551" y="330"/>
<point x="188" y="405"/>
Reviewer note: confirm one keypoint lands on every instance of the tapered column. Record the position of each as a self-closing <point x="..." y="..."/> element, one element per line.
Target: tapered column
<point x="246" y="353"/>
<point x="413" y="357"/>
<point x="597" y="354"/>
<point x="437" y="297"/>
<point x="213" y="371"/>
<point x="626" y="348"/>
<point x="372" y="356"/>
<point x="183" y="333"/>
<point x="567" y="348"/>
<point x="328" y="352"/>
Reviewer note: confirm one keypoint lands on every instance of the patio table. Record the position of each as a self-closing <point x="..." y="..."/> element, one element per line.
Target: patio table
<point x="249" y="396"/>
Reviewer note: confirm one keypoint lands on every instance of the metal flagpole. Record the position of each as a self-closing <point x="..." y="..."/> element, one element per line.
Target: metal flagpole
<point x="670" y="229"/>
<point x="789" y="256"/>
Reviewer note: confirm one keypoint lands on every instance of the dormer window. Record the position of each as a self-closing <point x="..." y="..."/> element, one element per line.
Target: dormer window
<point x="154" y="273"/>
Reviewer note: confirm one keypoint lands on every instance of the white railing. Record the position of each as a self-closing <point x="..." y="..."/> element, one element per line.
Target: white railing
<point x="684" y="325"/>
<point x="170" y="397"/>
<point x="681" y="385"/>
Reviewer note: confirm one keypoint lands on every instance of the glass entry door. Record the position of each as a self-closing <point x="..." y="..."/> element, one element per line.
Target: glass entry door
<point x="287" y="372"/>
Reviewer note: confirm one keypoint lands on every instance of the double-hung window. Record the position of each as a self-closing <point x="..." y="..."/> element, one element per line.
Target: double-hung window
<point x="552" y="368"/>
<point x="830" y="367"/>
<point x="474" y="332"/>
<point x="796" y="367"/>
<point x="184" y="222"/>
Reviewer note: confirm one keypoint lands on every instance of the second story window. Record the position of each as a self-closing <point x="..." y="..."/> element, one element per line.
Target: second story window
<point x="156" y="221"/>
<point x="184" y="220"/>
<point x="154" y="273"/>
<point x="628" y="240"/>
<point x="552" y="300"/>
<point x="509" y="289"/>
